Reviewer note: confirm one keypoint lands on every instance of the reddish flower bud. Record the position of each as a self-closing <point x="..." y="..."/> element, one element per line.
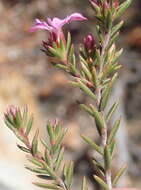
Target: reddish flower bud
<point x="116" y="4"/>
<point x="106" y="5"/>
<point x="13" y="116"/>
<point x="89" y="42"/>
<point x="49" y="42"/>
<point x="12" y="110"/>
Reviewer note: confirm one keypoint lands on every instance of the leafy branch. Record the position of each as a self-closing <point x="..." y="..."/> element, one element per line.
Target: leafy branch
<point x="94" y="74"/>
<point x="47" y="164"/>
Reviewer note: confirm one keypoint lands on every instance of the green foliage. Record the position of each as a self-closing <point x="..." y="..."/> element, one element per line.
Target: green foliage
<point x="118" y="175"/>
<point x="95" y="76"/>
<point x="101" y="182"/>
<point x="49" y="162"/>
<point x="84" y="184"/>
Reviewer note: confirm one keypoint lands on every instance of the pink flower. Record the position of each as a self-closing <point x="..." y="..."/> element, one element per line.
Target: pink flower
<point x="54" y="26"/>
<point x="116" y="4"/>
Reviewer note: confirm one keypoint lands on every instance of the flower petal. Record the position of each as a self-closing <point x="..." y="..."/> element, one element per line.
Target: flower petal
<point x="55" y="25"/>
<point x="58" y="23"/>
<point x="75" y="17"/>
<point x="40" y="25"/>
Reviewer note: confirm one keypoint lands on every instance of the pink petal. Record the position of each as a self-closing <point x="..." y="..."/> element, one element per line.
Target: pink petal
<point x="58" y="23"/>
<point x="40" y="25"/>
<point x="75" y="17"/>
<point x="55" y="24"/>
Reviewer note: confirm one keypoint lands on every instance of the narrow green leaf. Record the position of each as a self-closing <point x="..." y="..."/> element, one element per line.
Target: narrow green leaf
<point x="118" y="175"/>
<point x="34" y="161"/>
<point x="86" y="71"/>
<point x="114" y="131"/>
<point x="122" y="8"/>
<point x="75" y="84"/>
<point x="62" y="47"/>
<point x="23" y="148"/>
<point x="72" y="67"/>
<point x="24" y="116"/>
<point x="59" y="139"/>
<point x="58" y="129"/>
<point x="18" y="120"/>
<point x="87" y="90"/>
<point x="114" y="78"/>
<point x="55" y="53"/>
<point x="99" y="119"/>
<point x="71" y="54"/>
<point x="68" y="42"/>
<point x="9" y="125"/>
<point x="45" y="144"/>
<point x="87" y="109"/>
<point x="99" y="34"/>
<point x="47" y="157"/>
<point x="59" y="159"/>
<point x="36" y="170"/>
<point x="94" y="77"/>
<point x="92" y="144"/>
<point x="112" y="147"/>
<point x="60" y="66"/>
<point x="84" y="184"/>
<point x="48" y="186"/>
<point x="34" y="148"/>
<point x="50" y="131"/>
<point x="97" y="52"/>
<point x="9" y="118"/>
<point x="29" y="125"/>
<point x="105" y="96"/>
<point x="83" y="60"/>
<point x="19" y="136"/>
<point x="116" y="28"/>
<point x="99" y="167"/>
<point x="113" y="39"/>
<point x="69" y="174"/>
<point x="111" y="111"/>
<point x="109" y="20"/>
<point x="117" y="55"/>
<point x="106" y="81"/>
<point x="50" y="171"/>
<point x="65" y="170"/>
<point x="101" y="182"/>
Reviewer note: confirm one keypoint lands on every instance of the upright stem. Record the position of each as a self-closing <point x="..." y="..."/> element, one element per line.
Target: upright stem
<point x="104" y="46"/>
<point x="99" y="97"/>
<point x="108" y="179"/>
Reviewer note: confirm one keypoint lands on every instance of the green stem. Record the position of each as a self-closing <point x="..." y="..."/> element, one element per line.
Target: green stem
<point x="98" y="94"/>
<point x="104" y="46"/>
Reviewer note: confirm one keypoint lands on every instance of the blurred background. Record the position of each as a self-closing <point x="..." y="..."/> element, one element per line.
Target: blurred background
<point x="27" y="78"/>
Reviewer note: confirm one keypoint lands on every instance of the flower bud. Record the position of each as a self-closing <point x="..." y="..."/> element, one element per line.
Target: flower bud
<point x="12" y="110"/>
<point x="89" y="42"/>
<point x="13" y="116"/>
<point x="116" y="4"/>
<point x="106" y="5"/>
